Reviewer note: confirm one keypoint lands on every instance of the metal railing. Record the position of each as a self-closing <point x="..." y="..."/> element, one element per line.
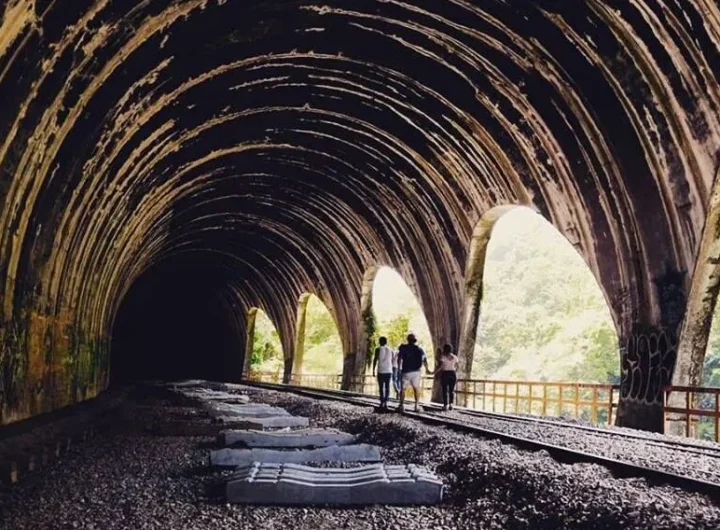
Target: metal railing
<point x="596" y="403"/>
<point x="700" y="413"/>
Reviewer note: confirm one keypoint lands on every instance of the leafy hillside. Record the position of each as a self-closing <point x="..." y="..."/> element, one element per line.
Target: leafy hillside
<point x="543" y="316"/>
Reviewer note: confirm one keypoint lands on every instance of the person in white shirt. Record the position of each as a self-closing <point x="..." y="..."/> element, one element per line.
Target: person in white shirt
<point x="447" y="368"/>
<point x="383" y="368"/>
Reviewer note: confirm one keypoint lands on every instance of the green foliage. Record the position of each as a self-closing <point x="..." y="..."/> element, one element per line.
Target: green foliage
<point x="323" y="347"/>
<point x="710" y="378"/>
<point x="397" y="311"/>
<point x="267" y="353"/>
<point x="543" y="316"/>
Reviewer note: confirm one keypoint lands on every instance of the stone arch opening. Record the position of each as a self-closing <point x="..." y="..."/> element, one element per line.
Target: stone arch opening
<point x="318" y="345"/>
<point x="546" y="316"/>
<point x="391" y="309"/>
<point x="700" y="332"/>
<point x="264" y="348"/>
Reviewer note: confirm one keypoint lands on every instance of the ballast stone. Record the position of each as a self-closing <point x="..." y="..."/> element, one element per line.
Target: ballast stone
<point x="244" y="457"/>
<point x="288" y="439"/>
<point x="291" y="484"/>
<point x="261" y="423"/>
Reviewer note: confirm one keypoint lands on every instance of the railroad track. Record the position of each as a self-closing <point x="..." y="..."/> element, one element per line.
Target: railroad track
<point x="619" y="468"/>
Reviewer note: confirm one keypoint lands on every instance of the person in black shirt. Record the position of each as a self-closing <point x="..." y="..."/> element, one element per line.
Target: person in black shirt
<point x="411" y="358"/>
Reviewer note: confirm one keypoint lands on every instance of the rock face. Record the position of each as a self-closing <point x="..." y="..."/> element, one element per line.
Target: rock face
<point x="298" y="439"/>
<point x="288" y="484"/>
<point x="156" y="193"/>
<point x="244" y="457"/>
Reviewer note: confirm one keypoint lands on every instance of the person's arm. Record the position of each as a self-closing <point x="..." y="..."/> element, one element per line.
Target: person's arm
<point x="427" y="368"/>
<point x="375" y="359"/>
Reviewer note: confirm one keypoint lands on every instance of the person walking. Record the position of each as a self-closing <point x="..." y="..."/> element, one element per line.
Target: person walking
<point x="411" y="358"/>
<point x="447" y="368"/>
<point x="396" y="374"/>
<point x="383" y="368"/>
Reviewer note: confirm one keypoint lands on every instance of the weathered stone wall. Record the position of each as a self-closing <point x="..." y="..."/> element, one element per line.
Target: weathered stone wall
<point x="292" y="146"/>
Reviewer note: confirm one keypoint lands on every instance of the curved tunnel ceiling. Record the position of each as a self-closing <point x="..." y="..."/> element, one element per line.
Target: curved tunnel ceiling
<point x="287" y="146"/>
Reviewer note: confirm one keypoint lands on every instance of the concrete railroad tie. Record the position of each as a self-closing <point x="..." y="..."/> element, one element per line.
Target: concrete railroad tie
<point x="246" y="411"/>
<point x="288" y="439"/>
<point x="291" y="484"/>
<point x="347" y="453"/>
<point x="274" y="422"/>
<point x="210" y="397"/>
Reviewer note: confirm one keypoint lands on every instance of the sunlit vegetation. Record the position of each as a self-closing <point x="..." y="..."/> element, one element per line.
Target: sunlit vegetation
<point x="543" y="315"/>
<point x="711" y="369"/>
<point x="267" y="352"/>
<point x="710" y="378"/>
<point x="397" y="311"/>
<point x="323" y="347"/>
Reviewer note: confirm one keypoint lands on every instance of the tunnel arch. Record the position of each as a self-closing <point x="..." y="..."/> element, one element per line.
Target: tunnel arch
<point x="702" y="299"/>
<point x="254" y="317"/>
<point x="316" y="303"/>
<point x="132" y="132"/>
<point x="475" y="276"/>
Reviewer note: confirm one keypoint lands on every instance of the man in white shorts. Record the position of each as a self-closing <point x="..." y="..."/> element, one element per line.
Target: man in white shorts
<point x="411" y="358"/>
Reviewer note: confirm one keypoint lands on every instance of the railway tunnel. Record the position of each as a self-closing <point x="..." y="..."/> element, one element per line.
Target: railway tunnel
<point x="169" y="165"/>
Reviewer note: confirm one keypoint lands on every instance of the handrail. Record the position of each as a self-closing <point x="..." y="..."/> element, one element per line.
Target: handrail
<point x="594" y="402"/>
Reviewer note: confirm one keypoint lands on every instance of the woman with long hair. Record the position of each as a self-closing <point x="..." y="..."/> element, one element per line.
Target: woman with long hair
<point x="447" y="368"/>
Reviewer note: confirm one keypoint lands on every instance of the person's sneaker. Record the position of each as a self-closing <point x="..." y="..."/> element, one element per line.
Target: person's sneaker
<point x="418" y="408"/>
<point x="445" y="407"/>
<point x="401" y="408"/>
<point x="451" y="407"/>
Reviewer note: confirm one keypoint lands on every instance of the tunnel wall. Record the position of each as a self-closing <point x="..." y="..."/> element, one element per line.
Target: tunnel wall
<point x="293" y="146"/>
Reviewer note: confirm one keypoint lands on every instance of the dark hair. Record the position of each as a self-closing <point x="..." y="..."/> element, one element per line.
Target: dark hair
<point x="411" y="339"/>
<point x="447" y="349"/>
<point x="383" y="341"/>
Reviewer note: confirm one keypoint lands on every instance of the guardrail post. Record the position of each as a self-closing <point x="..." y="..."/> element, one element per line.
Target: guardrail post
<point x="593" y="412"/>
<point x="717" y="416"/>
<point x="687" y="413"/>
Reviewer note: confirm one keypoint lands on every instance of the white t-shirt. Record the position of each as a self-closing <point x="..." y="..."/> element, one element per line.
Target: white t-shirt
<point x="448" y="363"/>
<point x="385" y="360"/>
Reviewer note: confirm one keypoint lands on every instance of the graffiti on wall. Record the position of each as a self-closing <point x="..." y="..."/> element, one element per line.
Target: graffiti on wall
<point x="647" y="364"/>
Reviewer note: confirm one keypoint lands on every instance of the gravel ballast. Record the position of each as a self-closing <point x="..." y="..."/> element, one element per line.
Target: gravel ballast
<point x="134" y="479"/>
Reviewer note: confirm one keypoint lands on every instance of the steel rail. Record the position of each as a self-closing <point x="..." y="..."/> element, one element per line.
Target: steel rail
<point x="618" y="468"/>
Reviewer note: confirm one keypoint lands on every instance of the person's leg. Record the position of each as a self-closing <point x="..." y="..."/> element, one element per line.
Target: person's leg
<point x="444" y="387"/>
<point x="451" y="388"/>
<point x="403" y="385"/>
<point x="396" y="381"/>
<point x="381" y="389"/>
<point x="385" y="384"/>
<point x="416" y="382"/>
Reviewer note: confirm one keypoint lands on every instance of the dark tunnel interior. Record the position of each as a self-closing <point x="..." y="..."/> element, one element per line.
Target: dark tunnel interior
<point x="175" y="323"/>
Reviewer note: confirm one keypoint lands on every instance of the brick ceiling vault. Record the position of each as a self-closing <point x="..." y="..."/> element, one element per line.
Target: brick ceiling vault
<point x="289" y="146"/>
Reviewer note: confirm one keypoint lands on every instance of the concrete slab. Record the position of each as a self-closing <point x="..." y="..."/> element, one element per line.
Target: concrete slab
<point x="287" y="439"/>
<point x="347" y="453"/>
<point x="264" y="423"/>
<point x="213" y="395"/>
<point x="291" y="484"/>
<point x="246" y="411"/>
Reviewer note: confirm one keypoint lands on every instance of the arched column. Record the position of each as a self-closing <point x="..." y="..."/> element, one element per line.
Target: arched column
<point x="702" y="299"/>
<point x="354" y="369"/>
<point x="249" y="339"/>
<point x="473" y="293"/>
<point x="297" y="367"/>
